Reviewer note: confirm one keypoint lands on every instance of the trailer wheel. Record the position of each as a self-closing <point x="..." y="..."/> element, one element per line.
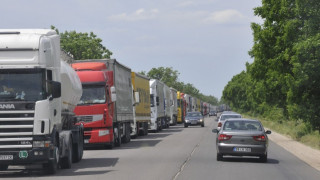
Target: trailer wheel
<point x="52" y="166"/>
<point x="66" y="162"/>
<point x="3" y="167"/>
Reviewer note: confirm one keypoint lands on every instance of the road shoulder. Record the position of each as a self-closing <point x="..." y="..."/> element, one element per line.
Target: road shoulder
<point x="305" y="153"/>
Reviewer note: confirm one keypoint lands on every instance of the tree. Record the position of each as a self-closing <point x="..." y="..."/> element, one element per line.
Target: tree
<point x="83" y="45"/>
<point x="166" y="75"/>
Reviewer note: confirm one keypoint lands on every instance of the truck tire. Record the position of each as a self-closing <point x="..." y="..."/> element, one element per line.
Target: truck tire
<point x="127" y="136"/>
<point x="145" y="127"/>
<point x="52" y="166"/>
<point x="117" y="137"/>
<point x="66" y="162"/>
<point x="4" y="167"/>
<point x="78" y="149"/>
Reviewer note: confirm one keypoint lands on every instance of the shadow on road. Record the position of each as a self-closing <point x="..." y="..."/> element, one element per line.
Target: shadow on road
<point x="82" y="168"/>
<point x="249" y="160"/>
<point x="136" y="144"/>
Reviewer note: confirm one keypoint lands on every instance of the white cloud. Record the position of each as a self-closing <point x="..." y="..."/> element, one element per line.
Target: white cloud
<point x="225" y="16"/>
<point x="138" y="15"/>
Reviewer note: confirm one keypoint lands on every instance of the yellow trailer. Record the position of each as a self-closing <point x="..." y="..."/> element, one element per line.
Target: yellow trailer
<point x="181" y="107"/>
<point x="141" y="104"/>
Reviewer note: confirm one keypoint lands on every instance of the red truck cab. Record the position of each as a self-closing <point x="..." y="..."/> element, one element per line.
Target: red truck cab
<point x="94" y="109"/>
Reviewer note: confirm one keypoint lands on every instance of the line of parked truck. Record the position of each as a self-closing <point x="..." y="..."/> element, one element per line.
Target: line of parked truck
<point x="50" y="110"/>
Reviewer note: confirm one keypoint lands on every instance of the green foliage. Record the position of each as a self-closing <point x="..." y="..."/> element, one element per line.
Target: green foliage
<point x="83" y="45"/>
<point x="284" y="78"/>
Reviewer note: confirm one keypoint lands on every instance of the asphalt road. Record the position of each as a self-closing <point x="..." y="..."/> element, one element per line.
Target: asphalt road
<point x="174" y="153"/>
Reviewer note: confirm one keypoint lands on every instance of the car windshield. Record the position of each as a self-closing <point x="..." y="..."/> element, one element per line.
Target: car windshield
<point x="193" y="114"/>
<point x="242" y="126"/>
<point x="224" y="117"/>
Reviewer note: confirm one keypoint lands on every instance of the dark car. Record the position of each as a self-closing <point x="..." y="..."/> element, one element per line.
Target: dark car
<point x="194" y="118"/>
<point x="212" y="113"/>
<point x="242" y="137"/>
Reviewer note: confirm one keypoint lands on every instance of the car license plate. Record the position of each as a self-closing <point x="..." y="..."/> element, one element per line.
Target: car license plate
<point x="6" y="157"/>
<point x="236" y="149"/>
<point x="194" y="122"/>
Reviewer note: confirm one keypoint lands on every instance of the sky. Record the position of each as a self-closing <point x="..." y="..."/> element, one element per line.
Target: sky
<point x="206" y="41"/>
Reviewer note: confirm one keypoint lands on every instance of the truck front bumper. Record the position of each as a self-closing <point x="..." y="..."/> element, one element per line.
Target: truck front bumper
<point x="28" y="156"/>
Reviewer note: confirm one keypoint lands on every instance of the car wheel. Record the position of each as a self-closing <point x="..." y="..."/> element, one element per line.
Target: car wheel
<point x="202" y="125"/>
<point x="219" y="157"/>
<point x="264" y="158"/>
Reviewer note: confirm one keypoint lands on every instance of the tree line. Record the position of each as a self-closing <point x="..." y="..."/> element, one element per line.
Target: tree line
<point x="88" y="46"/>
<point x="284" y="77"/>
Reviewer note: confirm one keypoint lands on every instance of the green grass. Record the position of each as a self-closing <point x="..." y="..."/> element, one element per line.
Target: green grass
<point x="297" y="130"/>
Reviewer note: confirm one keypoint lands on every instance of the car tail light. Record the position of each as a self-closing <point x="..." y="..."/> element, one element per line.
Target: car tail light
<point x="224" y="137"/>
<point x="219" y="124"/>
<point x="259" y="138"/>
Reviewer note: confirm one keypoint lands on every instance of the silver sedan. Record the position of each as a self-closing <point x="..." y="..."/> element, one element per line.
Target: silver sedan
<point x="242" y="137"/>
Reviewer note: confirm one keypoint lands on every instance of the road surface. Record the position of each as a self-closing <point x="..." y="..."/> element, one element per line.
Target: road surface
<point x="176" y="153"/>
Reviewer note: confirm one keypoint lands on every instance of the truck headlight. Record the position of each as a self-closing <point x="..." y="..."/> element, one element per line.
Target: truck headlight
<point x="38" y="143"/>
<point x="103" y="132"/>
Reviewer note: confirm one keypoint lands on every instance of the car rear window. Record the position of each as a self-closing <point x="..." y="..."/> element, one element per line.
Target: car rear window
<point x="193" y="114"/>
<point x="224" y="117"/>
<point x="242" y="126"/>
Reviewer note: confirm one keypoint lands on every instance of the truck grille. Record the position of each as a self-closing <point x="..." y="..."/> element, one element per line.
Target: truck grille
<point x="16" y="129"/>
<point x="85" y="118"/>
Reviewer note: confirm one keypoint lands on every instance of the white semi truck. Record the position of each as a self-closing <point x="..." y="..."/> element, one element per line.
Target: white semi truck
<point x="158" y="116"/>
<point x="38" y="93"/>
<point x="173" y="106"/>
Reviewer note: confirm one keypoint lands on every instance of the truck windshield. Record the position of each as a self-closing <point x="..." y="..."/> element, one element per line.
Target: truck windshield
<point x="93" y="95"/>
<point x="22" y="84"/>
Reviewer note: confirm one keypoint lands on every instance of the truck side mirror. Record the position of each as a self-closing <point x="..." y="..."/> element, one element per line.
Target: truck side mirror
<point x="137" y="97"/>
<point x="54" y="89"/>
<point x="113" y="94"/>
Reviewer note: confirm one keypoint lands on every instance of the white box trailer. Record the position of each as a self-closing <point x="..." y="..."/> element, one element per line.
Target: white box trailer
<point x="157" y="104"/>
<point x="167" y="98"/>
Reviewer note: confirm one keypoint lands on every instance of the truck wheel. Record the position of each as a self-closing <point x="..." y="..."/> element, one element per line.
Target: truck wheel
<point x="78" y="149"/>
<point x="52" y="166"/>
<point x="3" y="167"/>
<point x="66" y="162"/>
<point x="127" y="136"/>
<point x="117" y="137"/>
<point x="145" y="127"/>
